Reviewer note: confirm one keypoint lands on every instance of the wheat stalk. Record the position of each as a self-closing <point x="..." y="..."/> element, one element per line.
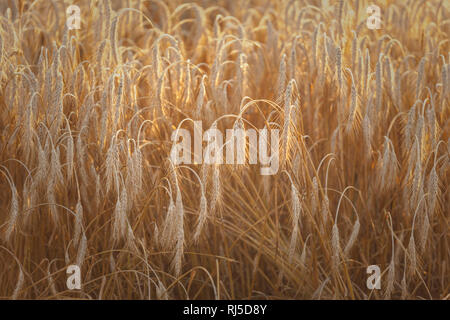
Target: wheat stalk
<point x="353" y="236"/>
<point x="19" y="285"/>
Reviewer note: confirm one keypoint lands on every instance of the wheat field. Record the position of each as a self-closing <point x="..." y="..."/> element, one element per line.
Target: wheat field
<point x="86" y="122"/>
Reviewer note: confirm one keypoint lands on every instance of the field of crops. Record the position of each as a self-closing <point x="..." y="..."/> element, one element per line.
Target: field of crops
<point x="89" y="107"/>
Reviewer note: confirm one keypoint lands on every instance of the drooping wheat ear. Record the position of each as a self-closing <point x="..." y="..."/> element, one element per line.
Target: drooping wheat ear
<point x="167" y="240"/>
<point x="314" y="196"/>
<point x="445" y="81"/>
<point x="42" y="66"/>
<point x="107" y="16"/>
<point x="296" y="212"/>
<point x="412" y="252"/>
<point x="398" y="88"/>
<point x="130" y="238"/>
<point x="120" y="215"/>
<point x="420" y="77"/>
<point x="281" y="83"/>
<point x="388" y="73"/>
<point x="446" y="164"/>
<point x="81" y="253"/>
<point x="12" y="98"/>
<point x="112" y="158"/>
<point x="433" y="190"/>
<point x="56" y="61"/>
<point x="393" y="167"/>
<point x="200" y="98"/>
<point x="412" y="247"/>
<point x="335" y="247"/>
<point x="325" y="208"/>
<point x="70" y="153"/>
<point x="353" y="107"/>
<point x="324" y="62"/>
<point x="353" y="237"/>
<point x="386" y="164"/>
<point x="51" y="198"/>
<point x="390" y="280"/>
<point x="420" y="129"/>
<point x="65" y="49"/>
<point x="331" y="51"/>
<point x="423" y="231"/>
<point x="55" y="166"/>
<point x="404" y="287"/>
<point x="19" y="285"/>
<point x="431" y="123"/>
<point x="335" y="140"/>
<point x="366" y="72"/>
<point x="114" y="39"/>
<point x="30" y="115"/>
<point x="99" y="55"/>
<point x="28" y="193"/>
<point x="160" y="93"/>
<point x="156" y="238"/>
<point x="116" y="118"/>
<point x="391" y="272"/>
<point x="138" y="168"/>
<point x="314" y="45"/>
<point x="205" y="169"/>
<point x="203" y="213"/>
<point x="417" y="184"/>
<point x="293" y="59"/>
<point x="287" y="120"/>
<point x="78" y="222"/>
<point x="223" y="95"/>
<point x="175" y="237"/>
<point x="304" y="253"/>
<point x="80" y="158"/>
<point x="179" y="249"/>
<point x="57" y="106"/>
<point x="131" y="172"/>
<point x="367" y="137"/>
<point x="410" y="125"/>
<point x="98" y="188"/>
<point x="339" y="67"/>
<point x="14" y="210"/>
<point x="379" y="83"/>
<point x="42" y="163"/>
